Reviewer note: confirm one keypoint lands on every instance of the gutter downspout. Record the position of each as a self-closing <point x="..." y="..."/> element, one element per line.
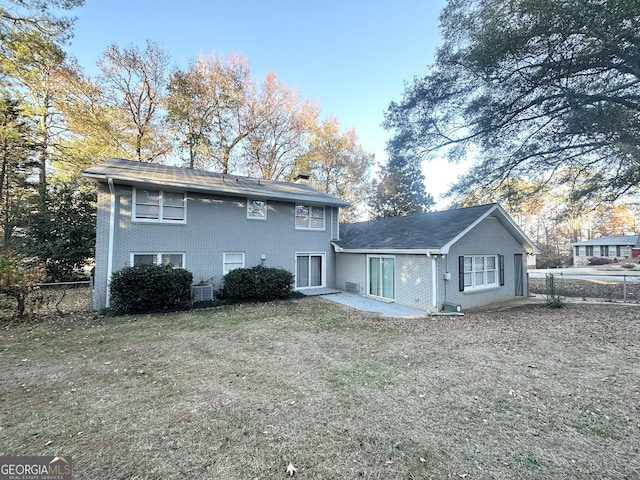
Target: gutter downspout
<point x="112" y="226"/>
<point x="434" y="282"/>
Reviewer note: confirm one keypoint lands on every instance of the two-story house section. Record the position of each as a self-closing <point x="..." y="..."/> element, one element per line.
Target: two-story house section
<point x="210" y="223"/>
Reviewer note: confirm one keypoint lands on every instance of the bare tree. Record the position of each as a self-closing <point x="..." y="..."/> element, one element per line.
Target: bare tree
<point x="133" y="80"/>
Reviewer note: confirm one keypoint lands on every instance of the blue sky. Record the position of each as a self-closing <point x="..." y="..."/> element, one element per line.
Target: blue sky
<point x="350" y="56"/>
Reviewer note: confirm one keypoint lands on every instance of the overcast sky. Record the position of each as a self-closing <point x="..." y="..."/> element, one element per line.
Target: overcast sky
<point x="351" y="56"/>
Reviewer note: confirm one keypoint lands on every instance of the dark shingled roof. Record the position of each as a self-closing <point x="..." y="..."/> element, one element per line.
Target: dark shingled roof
<point x="154" y="175"/>
<point x="427" y="231"/>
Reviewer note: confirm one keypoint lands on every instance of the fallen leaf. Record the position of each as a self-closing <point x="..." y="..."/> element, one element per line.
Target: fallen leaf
<point x="291" y="470"/>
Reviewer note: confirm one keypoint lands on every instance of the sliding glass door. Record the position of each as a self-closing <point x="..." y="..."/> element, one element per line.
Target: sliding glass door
<point x="381" y="277"/>
<point x="309" y="270"/>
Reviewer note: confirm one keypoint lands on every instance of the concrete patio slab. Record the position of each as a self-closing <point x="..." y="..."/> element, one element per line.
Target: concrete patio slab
<point x="366" y="304"/>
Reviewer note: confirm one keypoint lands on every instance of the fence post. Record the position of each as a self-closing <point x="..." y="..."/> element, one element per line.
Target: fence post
<point x="624" y="289"/>
<point x="550" y="286"/>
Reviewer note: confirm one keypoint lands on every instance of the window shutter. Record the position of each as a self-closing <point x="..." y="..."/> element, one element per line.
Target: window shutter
<point x="461" y="274"/>
<point x="501" y="259"/>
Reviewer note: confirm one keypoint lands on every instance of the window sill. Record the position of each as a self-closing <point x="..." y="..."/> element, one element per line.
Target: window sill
<point x="158" y="222"/>
<point x="471" y="291"/>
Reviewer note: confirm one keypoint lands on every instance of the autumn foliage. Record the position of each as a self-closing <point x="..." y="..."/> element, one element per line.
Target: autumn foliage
<point x="20" y="278"/>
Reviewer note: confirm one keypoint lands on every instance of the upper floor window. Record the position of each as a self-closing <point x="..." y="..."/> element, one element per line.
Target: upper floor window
<point x="308" y="217"/>
<point x="159" y="206"/>
<point x="257" y="209"/>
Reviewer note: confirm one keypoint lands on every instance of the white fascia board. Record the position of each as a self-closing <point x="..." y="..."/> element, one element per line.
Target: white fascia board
<point x="509" y="224"/>
<point x="388" y="251"/>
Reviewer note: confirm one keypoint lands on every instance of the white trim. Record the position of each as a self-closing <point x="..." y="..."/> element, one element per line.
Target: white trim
<point x="506" y="221"/>
<point x="368" y="293"/>
<point x="485" y="270"/>
<point x="161" y="206"/>
<point x="434" y="282"/>
<point x="159" y="254"/>
<point x="310" y="207"/>
<point x="323" y="272"/>
<point x="388" y="251"/>
<point x="112" y="224"/>
<point x="266" y="209"/>
<point x="224" y="261"/>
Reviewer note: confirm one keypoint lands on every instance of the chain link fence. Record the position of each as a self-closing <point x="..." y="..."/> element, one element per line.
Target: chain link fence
<point x="622" y="288"/>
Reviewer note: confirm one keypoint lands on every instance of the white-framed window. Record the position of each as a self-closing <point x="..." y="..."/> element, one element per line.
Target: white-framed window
<point x="231" y="261"/>
<point x="481" y="271"/>
<point x="381" y="273"/>
<point x="309" y="217"/>
<point x="172" y="259"/>
<point x="256" y="209"/>
<point x="159" y="206"/>
<point x="310" y="270"/>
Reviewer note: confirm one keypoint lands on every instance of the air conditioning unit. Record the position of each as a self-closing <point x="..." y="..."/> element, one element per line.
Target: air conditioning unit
<point x="452" y="307"/>
<point x="202" y="293"/>
<point x="352" y="287"/>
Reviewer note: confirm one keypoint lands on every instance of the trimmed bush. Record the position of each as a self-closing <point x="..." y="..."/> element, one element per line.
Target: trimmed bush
<point x="258" y="283"/>
<point x="150" y="288"/>
<point x="599" y="261"/>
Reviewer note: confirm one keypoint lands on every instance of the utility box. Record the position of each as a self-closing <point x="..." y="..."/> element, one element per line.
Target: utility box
<point x="202" y="293"/>
<point x="452" y="307"/>
<point x="447" y="276"/>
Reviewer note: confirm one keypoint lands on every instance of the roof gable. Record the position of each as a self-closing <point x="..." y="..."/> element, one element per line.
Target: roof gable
<point x="148" y="175"/>
<point x="433" y="232"/>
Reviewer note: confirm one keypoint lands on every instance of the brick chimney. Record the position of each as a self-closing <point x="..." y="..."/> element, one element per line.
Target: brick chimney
<point x="302" y="179"/>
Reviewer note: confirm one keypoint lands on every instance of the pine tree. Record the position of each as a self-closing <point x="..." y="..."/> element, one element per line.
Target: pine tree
<point x="401" y="190"/>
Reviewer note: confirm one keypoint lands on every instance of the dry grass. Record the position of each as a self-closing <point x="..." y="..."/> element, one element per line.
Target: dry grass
<point x="240" y="392"/>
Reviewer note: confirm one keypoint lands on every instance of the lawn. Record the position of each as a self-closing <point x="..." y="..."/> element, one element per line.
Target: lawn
<point x="243" y="391"/>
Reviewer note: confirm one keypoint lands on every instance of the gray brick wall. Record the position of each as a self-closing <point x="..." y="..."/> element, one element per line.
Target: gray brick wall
<point x="487" y="238"/>
<point x="414" y="273"/>
<point x="215" y="224"/>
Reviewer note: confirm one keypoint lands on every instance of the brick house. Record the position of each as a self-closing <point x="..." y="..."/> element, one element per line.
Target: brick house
<point x="467" y="257"/>
<point x="621" y="248"/>
<point x="211" y="223"/>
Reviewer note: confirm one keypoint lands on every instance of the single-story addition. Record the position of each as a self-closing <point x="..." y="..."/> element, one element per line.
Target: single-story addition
<point x="211" y="223"/>
<point x="621" y="248"/>
<point x="454" y="259"/>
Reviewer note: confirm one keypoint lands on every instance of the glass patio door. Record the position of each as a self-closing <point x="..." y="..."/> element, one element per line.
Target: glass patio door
<point x="309" y="270"/>
<point x="381" y="277"/>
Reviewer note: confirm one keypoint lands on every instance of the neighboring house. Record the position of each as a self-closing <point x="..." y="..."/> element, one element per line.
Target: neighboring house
<point x="468" y="257"/>
<point x="616" y="248"/>
<point x="210" y="223"/>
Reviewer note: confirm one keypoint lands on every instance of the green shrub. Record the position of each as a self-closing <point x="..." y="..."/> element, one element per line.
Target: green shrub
<point x="258" y="283"/>
<point x="150" y="288"/>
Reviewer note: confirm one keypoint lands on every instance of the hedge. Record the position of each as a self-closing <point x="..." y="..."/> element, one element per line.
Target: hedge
<point x="258" y="283"/>
<point x="150" y="288"/>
